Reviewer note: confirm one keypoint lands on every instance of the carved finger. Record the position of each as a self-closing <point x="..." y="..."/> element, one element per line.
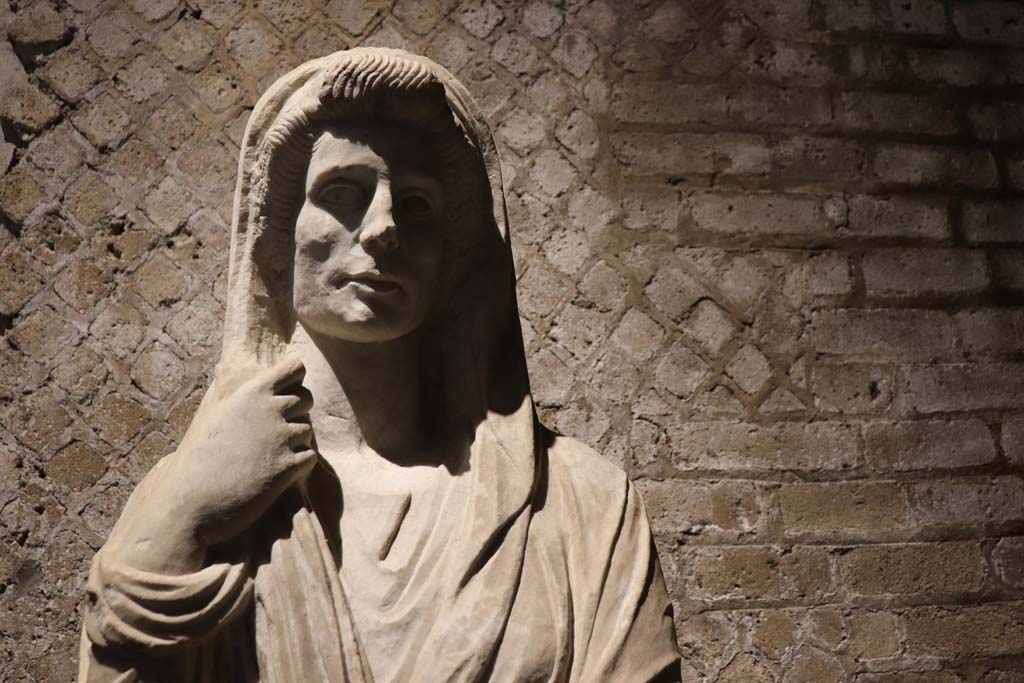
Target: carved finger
<point x="300" y="435"/>
<point x="301" y="465"/>
<point x="295" y="406"/>
<point x="305" y="460"/>
<point x="282" y="375"/>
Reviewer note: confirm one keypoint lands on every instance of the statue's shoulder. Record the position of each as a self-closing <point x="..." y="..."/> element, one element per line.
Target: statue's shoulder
<point x="584" y="474"/>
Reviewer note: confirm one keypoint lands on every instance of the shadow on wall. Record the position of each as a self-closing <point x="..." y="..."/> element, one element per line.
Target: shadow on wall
<point x="770" y="259"/>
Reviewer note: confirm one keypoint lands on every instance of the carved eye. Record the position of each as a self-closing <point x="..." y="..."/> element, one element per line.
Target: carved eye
<point x="341" y="194"/>
<point x="414" y="207"/>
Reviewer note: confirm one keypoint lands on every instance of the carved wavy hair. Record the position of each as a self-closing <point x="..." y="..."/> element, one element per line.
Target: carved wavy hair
<point x="369" y="88"/>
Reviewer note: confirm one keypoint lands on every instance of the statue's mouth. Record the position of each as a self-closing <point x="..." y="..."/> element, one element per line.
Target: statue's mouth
<point x="371" y="281"/>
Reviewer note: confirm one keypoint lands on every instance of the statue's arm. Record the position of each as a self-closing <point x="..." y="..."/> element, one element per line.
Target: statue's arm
<point x="146" y="613"/>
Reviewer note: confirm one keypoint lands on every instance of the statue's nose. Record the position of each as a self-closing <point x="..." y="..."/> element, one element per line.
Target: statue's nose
<point x="379" y="232"/>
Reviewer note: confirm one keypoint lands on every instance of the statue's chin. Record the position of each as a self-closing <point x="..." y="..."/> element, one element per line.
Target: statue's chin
<point x="361" y="322"/>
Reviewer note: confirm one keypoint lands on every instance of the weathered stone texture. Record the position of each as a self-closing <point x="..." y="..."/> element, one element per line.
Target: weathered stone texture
<point x="770" y="261"/>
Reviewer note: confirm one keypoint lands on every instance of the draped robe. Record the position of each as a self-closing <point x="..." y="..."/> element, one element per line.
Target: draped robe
<point x="533" y="562"/>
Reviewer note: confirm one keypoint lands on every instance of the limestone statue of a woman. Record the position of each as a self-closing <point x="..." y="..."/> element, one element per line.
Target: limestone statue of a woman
<point x="365" y="492"/>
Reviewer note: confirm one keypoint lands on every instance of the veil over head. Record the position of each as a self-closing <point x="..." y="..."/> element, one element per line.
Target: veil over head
<point x="473" y="339"/>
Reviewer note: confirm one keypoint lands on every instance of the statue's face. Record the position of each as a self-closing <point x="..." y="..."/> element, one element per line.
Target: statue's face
<point x="367" y="238"/>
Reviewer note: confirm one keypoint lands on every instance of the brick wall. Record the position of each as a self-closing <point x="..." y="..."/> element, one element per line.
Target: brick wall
<point x="771" y="261"/>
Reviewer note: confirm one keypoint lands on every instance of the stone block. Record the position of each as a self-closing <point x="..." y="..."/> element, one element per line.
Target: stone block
<point x="994" y="221"/>
<point x="907" y="217"/>
<point x="928" y="444"/>
<point x="709" y="326"/>
<point x="819" y="160"/>
<point x="580" y="329"/>
<point x="681" y="154"/>
<point x="832" y="507"/>
<point x="158" y="372"/>
<point x="899" y="113"/>
<point x="118" y="418"/>
<point x="604" y="286"/>
<point x="720" y="573"/>
<point x="1000" y="122"/>
<point x="81" y="285"/>
<point x="922" y="272"/>
<point x="58" y="152"/>
<point x="159" y="281"/>
<point x="760" y="215"/>
<point x="253" y="45"/>
<point x="77" y="466"/>
<point x="43" y="333"/>
<point x="678" y="507"/>
<point x="994" y="21"/>
<point x="82" y="374"/>
<point x="853" y="388"/>
<point x="883" y="334"/>
<point x="638" y="335"/>
<point x="734" y="573"/>
<point x="20" y="194"/>
<point x="70" y="73"/>
<point x="989" y="630"/>
<point x="953" y="568"/>
<point x="173" y="123"/>
<point x="873" y="635"/>
<point x="1008" y="557"/>
<point x="966" y="501"/>
<point x="90" y="198"/>
<point x="964" y="386"/>
<point x="479" y="17"/>
<point x="680" y="371"/>
<point x="575" y="52"/>
<point x="740" y="446"/>
<point x="1013" y="440"/>
<point x="552" y="173"/>
<point x="142" y="80"/>
<point x="749" y="368"/>
<point x="992" y="331"/>
<point x="567" y="250"/>
<point x="40" y="420"/>
<point x="104" y="121"/>
<point x="120" y="327"/>
<point x="24" y="105"/>
<point x="775" y="632"/>
<point x="959" y="67"/>
<point x="1007" y="269"/>
<point x="746" y="668"/>
<point x="516" y="53"/>
<point x="934" y="166"/>
<point x="18" y="281"/>
<point x="811" y="665"/>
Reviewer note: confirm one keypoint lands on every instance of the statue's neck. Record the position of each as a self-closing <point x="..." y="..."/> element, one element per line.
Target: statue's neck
<point x="366" y="397"/>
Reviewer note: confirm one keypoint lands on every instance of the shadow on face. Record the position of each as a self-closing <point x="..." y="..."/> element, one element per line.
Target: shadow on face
<point x="368" y="234"/>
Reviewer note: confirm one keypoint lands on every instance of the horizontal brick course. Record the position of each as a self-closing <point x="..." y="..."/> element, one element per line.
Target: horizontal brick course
<point x="844" y="506"/>
<point x="976" y="386"/>
<point x="739" y="446"/>
<point x="914" y="568"/>
<point x="968" y="631"/>
<point x="928" y="444"/>
<point x="883" y="334"/>
<point x="768" y="215"/>
<point x="920" y="272"/>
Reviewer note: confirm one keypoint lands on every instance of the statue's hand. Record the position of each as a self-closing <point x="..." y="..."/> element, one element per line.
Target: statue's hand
<point x="249" y="441"/>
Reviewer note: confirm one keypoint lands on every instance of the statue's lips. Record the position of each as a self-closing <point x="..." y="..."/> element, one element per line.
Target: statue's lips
<point x="366" y="281"/>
